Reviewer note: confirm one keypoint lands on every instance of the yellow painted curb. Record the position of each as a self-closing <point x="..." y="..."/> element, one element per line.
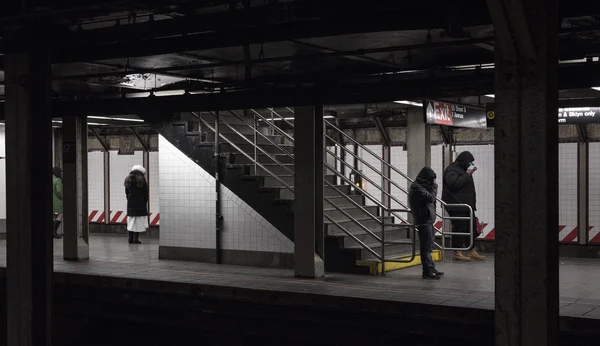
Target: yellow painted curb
<point x="375" y="265"/>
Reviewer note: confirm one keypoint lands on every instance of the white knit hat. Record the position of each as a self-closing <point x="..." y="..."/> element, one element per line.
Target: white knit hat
<point x="139" y="168"/>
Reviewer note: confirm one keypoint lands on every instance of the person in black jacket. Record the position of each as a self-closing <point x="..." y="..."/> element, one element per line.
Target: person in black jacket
<point x="422" y="202"/>
<point x="136" y="190"/>
<point x="459" y="188"/>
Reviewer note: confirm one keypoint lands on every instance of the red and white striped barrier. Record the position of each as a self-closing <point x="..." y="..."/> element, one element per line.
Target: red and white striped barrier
<point x="566" y="234"/>
<point x="118" y="217"/>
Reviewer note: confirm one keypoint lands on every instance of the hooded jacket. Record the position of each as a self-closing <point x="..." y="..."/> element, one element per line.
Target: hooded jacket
<point x="458" y="185"/>
<point x="421" y="197"/>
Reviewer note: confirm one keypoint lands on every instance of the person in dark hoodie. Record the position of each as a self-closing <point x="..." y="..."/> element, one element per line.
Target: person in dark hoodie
<point x="57" y="199"/>
<point x="422" y="202"/>
<point x="459" y="188"/>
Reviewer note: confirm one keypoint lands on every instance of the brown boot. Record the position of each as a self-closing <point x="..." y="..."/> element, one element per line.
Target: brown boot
<point x="474" y="255"/>
<point x="458" y="256"/>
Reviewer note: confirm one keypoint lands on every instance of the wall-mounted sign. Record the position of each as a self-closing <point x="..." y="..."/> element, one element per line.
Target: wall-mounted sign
<point x="579" y="115"/>
<point x="572" y="115"/>
<point x="126" y="146"/>
<point x="449" y="114"/>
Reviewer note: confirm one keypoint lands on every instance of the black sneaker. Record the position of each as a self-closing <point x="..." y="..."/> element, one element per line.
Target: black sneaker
<point x="431" y="276"/>
<point x="439" y="273"/>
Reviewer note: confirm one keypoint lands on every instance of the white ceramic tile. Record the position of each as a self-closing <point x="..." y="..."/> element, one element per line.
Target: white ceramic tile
<point x="187" y="200"/>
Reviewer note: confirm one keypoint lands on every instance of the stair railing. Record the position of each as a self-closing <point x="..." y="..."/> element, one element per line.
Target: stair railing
<point x="382" y="208"/>
<point x="444" y="205"/>
<point x="253" y="160"/>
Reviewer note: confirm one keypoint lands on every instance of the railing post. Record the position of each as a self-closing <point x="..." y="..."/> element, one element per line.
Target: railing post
<point x="385" y="176"/>
<point x="383" y="212"/>
<point x="218" y="216"/>
<point x="255" y="149"/>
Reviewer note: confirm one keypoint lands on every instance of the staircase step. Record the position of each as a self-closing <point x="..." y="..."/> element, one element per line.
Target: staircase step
<point x="249" y="148"/>
<point x="344" y="202"/>
<point x="352" y="227"/>
<point x="375" y="267"/>
<point x="353" y="211"/>
<point x="391" y="250"/>
<point x="210" y="137"/>
<point x="289" y="179"/>
<point x="262" y="158"/>
<point x="275" y="168"/>
<point x="392" y="234"/>
<point x="327" y="191"/>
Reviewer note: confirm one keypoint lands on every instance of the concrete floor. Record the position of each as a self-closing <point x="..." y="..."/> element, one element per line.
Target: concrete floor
<point x="465" y="284"/>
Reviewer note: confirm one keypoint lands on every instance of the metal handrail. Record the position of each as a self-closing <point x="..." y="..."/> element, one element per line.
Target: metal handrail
<point x="376" y="156"/>
<point x="243" y="153"/>
<point x="367" y="178"/>
<point x="373" y="252"/>
<point x="350" y="200"/>
<point x="368" y="195"/>
<point x="270" y="124"/>
<point x="281" y="117"/>
<point x="263" y="136"/>
<point x="365" y="163"/>
<point x="256" y="146"/>
<point x="470" y="218"/>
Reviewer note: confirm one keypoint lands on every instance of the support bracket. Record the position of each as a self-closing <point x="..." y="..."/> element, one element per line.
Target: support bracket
<point x="100" y="139"/>
<point x="142" y="141"/>
<point x="382" y="130"/>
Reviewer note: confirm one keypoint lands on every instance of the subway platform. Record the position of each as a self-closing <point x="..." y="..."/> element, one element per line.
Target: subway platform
<point x="120" y="273"/>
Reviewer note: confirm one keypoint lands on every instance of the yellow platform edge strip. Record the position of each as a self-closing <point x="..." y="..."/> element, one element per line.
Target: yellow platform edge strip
<point x="375" y="266"/>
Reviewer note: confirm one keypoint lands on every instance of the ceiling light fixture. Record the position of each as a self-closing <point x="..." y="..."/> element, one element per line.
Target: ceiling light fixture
<point x="410" y="103"/>
<point x="596" y="88"/>
<point x="490" y="95"/>
<point x="117" y="119"/>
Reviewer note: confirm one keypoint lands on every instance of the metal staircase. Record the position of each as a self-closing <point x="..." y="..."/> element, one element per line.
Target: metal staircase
<point x="257" y="153"/>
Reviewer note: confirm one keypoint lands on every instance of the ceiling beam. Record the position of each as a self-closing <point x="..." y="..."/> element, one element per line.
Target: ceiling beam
<point x="427" y="85"/>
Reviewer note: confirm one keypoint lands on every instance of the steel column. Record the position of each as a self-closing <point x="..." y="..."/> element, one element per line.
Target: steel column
<point x="583" y="149"/>
<point x="75" y="182"/>
<point x="29" y="190"/>
<point x="526" y="166"/>
<point x="308" y="187"/>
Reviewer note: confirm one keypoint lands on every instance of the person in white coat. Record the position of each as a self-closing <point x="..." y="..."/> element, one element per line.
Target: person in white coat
<point x="137" y="192"/>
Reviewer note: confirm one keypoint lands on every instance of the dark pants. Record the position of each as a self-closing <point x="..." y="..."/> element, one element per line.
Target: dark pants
<point x="427" y="238"/>
<point x="462" y="226"/>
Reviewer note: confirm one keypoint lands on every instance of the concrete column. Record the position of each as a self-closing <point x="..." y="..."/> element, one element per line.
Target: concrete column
<point x="75" y="184"/>
<point x="308" y="187"/>
<point x="29" y="192"/>
<point x="526" y="166"/>
<point x="418" y="142"/>
<point x="583" y="192"/>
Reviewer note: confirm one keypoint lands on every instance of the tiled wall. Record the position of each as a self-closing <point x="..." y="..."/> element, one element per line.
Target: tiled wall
<point x="398" y="159"/>
<point x="95" y="181"/>
<point x="154" y="181"/>
<point x="187" y="200"/>
<point x="594" y="192"/>
<point x="120" y="167"/>
<point x="567" y="191"/>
